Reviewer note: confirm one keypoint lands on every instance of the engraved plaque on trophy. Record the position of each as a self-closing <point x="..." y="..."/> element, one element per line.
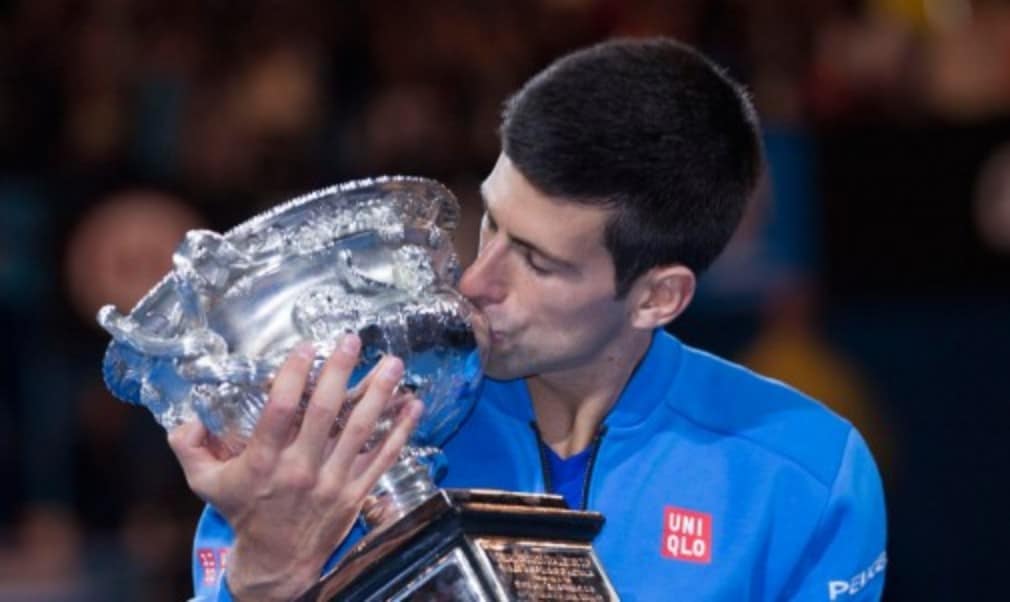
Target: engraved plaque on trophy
<point x="373" y="257"/>
<point x="477" y="545"/>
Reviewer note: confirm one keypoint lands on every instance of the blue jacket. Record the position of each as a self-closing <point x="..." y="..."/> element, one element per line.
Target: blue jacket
<point x="716" y="483"/>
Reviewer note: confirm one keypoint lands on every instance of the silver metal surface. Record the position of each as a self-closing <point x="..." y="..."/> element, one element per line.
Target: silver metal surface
<point x="449" y="578"/>
<point x="371" y="256"/>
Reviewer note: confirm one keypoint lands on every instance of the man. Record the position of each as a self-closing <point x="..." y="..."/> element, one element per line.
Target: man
<point x="624" y="170"/>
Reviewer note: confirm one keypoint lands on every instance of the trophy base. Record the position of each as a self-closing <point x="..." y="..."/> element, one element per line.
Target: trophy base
<point x="475" y="546"/>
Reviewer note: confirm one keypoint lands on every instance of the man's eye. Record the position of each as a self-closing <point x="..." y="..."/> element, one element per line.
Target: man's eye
<point x="488" y="223"/>
<point x="531" y="262"/>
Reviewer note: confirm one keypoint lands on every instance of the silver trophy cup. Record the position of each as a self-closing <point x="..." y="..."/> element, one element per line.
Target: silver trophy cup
<point x="372" y="257"/>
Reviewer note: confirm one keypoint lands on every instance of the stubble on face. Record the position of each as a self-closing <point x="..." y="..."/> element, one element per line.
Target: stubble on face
<point x="542" y="323"/>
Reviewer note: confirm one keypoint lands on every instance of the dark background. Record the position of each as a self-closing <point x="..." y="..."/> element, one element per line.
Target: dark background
<point x="872" y="271"/>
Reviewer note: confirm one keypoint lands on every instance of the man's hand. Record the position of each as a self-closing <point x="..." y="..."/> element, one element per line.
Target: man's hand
<point x="294" y="492"/>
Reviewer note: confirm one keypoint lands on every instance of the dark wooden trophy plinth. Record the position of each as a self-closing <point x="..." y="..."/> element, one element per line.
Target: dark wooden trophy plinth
<point x="475" y="546"/>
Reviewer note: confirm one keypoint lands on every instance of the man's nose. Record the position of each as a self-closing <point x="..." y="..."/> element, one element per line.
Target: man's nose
<point x="483" y="282"/>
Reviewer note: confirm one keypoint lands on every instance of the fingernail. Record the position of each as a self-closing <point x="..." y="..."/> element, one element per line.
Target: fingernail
<point x="350" y="343"/>
<point x="305" y="350"/>
<point x="392" y="368"/>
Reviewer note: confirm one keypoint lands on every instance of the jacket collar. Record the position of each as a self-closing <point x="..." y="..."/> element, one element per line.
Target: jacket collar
<point x="648" y="384"/>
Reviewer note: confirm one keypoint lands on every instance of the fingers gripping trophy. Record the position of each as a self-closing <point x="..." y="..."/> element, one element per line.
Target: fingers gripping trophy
<point x="292" y="358"/>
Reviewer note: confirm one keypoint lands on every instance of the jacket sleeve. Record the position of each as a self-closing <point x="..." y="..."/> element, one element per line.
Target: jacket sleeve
<point x="211" y="545"/>
<point x="213" y="541"/>
<point x="845" y="559"/>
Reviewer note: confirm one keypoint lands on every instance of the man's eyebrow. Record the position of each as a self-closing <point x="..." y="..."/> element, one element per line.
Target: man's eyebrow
<point x="522" y="242"/>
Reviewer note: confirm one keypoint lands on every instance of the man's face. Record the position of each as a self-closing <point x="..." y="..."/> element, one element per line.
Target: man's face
<point x="543" y="278"/>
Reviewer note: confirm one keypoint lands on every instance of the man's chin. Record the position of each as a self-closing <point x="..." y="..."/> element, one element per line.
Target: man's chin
<point x="499" y="369"/>
<point x="495" y="372"/>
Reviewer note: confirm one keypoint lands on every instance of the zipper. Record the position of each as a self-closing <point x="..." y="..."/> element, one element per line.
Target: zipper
<point x="587" y="478"/>
<point x="546" y="474"/>
<point x="597" y="440"/>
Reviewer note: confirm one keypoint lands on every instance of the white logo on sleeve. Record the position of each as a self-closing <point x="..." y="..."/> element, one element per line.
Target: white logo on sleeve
<point x="853" y="586"/>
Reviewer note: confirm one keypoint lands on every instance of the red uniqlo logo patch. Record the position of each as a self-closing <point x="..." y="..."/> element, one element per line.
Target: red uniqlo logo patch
<point x="687" y="535"/>
<point x="213" y="562"/>
<point x="208" y="562"/>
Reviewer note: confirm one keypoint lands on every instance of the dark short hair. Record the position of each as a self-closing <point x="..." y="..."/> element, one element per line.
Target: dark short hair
<point x="651" y="129"/>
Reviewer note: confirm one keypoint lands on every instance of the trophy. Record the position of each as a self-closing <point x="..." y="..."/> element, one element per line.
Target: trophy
<point x="372" y="257"/>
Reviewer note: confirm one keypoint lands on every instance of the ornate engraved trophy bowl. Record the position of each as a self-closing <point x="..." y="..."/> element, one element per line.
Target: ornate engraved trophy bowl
<point x="373" y="257"/>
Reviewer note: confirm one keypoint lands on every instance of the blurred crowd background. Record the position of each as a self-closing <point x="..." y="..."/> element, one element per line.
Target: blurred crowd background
<point x="872" y="271"/>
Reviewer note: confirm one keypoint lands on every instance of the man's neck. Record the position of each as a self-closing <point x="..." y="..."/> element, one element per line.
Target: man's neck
<point x="570" y="405"/>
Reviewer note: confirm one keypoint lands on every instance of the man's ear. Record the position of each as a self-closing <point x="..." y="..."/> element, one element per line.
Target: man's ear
<point x="660" y="295"/>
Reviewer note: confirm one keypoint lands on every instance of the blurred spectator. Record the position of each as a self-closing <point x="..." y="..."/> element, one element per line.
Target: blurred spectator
<point x="865" y="66"/>
<point x="82" y="465"/>
<point x="411" y="128"/>
<point x="98" y="69"/>
<point x="45" y="561"/>
<point x="966" y="76"/>
<point x="992" y="201"/>
<point x="122" y="247"/>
